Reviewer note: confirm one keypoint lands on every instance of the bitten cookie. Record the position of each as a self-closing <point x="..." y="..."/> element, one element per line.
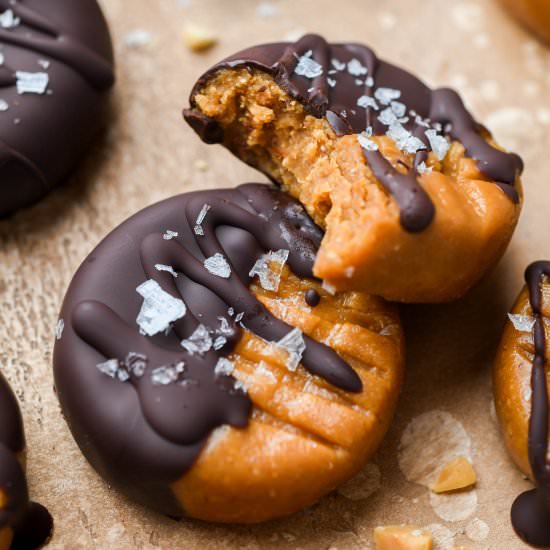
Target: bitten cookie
<point x="56" y="67"/>
<point x="205" y="372"/>
<point x="534" y="14"/>
<point x="23" y="524"/>
<point x="416" y="199"/>
<point x="520" y="385"/>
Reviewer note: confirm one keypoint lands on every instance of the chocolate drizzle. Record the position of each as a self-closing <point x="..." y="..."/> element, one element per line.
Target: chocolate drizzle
<point x="69" y="43"/>
<point x="31" y="523"/>
<point x="171" y="421"/>
<point x="531" y="510"/>
<point x="337" y="101"/>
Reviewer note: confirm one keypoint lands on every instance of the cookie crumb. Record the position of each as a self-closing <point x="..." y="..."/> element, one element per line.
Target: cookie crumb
<point x="457" y="474"/>
<point x="402" y="537"/>
<point x="198" y="38"/>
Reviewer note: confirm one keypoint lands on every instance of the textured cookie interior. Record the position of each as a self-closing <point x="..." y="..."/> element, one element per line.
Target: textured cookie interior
<point x="512" y="378"/>
<point x="329" y="174"/>
<point x="305" y="436"/>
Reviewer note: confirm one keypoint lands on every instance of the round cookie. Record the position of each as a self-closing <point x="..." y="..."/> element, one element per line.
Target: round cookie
<point x="416" y="199"/>
<point x="520" y="387"/>
<point x="56" y="67"/>
<point x="205" y="372"/>
<point x="23" y="524"/>
<point x="534" y="14"/>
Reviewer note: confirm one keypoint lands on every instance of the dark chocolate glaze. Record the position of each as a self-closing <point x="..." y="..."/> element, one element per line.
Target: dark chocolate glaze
<point x="338" y="103"/>
<point x="141" y="436"/>
<point x="31" y="522"/>
<point x="531" y="510"/>
<point x="42" y="136"/>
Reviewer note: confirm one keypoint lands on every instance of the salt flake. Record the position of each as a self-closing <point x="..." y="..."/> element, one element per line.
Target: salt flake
<point x="356" y="68"/>
<point x="169" y="235"/>
<point x="337" y="64"/>
<point x="199" y="342"/>
<point x="422" y="168"/>
<point x="387" y="95"/>
<point x="138" y="38"/>
<point x="366" y="101"/>
<point x="200" y="218"/>
<point x="522" y="323"/>
<point x="364" y="140"/>
<point x="31" y="83"/>
<point x="438" y="143"/>
<point x="217" y="265"/>
<point x="168" y="268"/>
<point x="293" y="343"/>
<point x="8" y="20"/>
<point x="224" y="367"/>
<point x="159" y="308"/>
<point x="269" y="268"/>
<point x="308" y="67"/>
<point x="109" y="367"/>
<point x="404" y="139"/>
<point x="59" y="329"/>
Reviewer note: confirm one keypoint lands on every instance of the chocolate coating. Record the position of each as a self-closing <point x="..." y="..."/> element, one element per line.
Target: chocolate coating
<point x="43" y="135"/>
<point x="531" y="510"/>
<point x="334" y="95"/>
<point x="131" y="431"/>
<point x="30" y="522"/>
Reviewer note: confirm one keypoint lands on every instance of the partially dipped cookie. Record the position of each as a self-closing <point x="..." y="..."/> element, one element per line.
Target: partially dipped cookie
<point x="520" y="384"/>
<point x="23" y="524"/>
<point x="56" y="68"/>
<point x="416" y="199"/>
<point x="204" y="371"/>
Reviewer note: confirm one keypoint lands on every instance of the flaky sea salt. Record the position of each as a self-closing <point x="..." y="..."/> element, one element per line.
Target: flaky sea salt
<point x="217" y="265"/>
<point x="162" y="376"/>
<point x="168" y="268"/>
<point x="200" y="218"/>
<point x="308" y="67"/>
<point x="44" y="63"/>
<point x="219" y="342"/>
<point x="294" y="345"/>
<point x="224" y="367"/>
<point x="522" y="323"/>
<point x="366" y="101"/>
<point x="364" y="140"/>
<point x="159" y="308"/>
<point x="337" y="64"/>
<point x="399" y="109"/>
<point x="109" y="367"/>
<point x="387" y="95"/>
<point x="440" y="146"/>
<point x="8" y="20"/>
<point x="199" y="342"/>
<point x="356" y="68"/>
<point x="4" y="106"/>
<point x="31" y="83"/>
<point x="225" y="327"/>
<point x="169" y="235"/>
<point x="59" y="329"/>
<point x="422" y="168"/>
<point x="331" y="82"/>
<point x="136" y="363"/>
<point x="404" y="139"/>
<point x="269" y="268"/>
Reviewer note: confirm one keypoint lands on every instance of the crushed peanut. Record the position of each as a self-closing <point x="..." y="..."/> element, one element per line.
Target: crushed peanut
<point x="457" y="474"/>
<point x="402" y="537"/>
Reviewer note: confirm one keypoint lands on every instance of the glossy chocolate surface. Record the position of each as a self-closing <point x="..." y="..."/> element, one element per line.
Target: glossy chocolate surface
<point x="44" y="131"/>
<point x="142" y="435"/>
<point x="351" y="73"/>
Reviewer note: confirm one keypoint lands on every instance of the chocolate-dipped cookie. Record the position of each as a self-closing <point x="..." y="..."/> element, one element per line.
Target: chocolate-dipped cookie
<point x="534" y="14"/>
<point x="416" y="199"/>
<point x="204" y="370"/>
<point x="24" y="524"/>
<point x="56" y="67"/>
<point x="520" y="384"/>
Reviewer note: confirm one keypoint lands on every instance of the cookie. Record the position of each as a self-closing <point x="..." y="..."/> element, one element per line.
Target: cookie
<point x="534" y="14"/>
<point x="23" y="524"/>
<point x="416" y="198"/>
<point x="205" y="372"/>
<point x="521" y="398"/>
<point x="56" y="67"/>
